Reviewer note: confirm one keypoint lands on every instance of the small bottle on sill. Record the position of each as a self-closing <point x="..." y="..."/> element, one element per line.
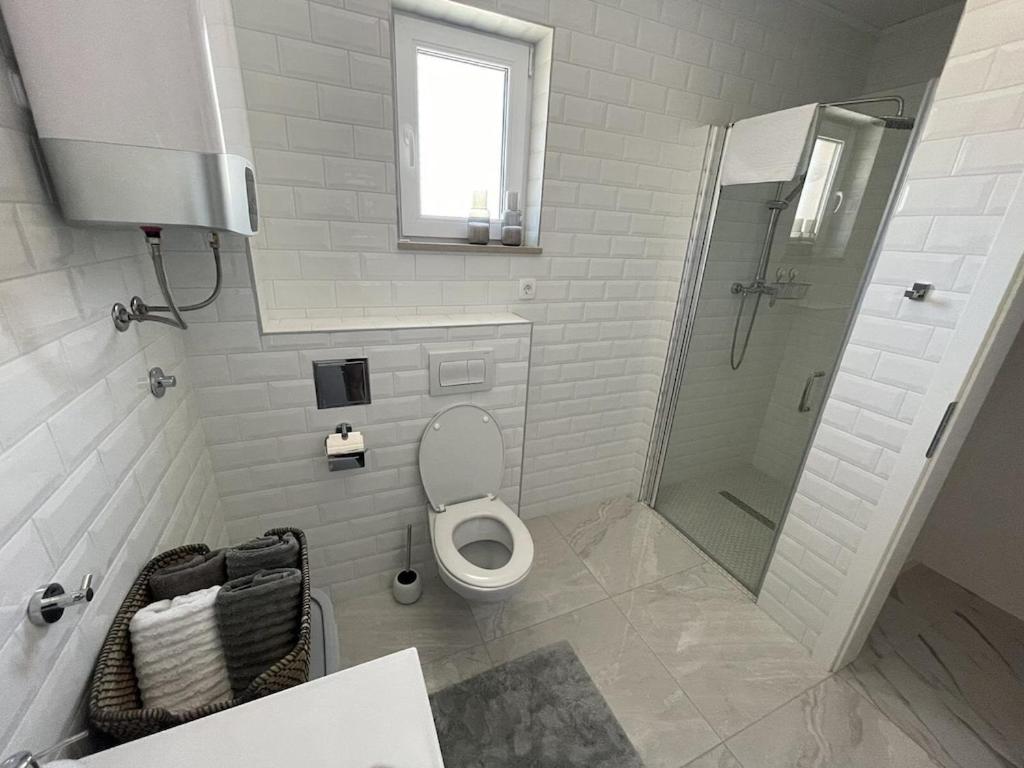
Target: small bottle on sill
<point x="511" y="220"/>
<point x="478" y="224"/>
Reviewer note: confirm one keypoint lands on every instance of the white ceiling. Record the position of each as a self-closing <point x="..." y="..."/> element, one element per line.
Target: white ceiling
<point x="885" y="13"/>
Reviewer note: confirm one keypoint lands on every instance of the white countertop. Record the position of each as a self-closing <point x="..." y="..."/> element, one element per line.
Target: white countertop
<point x="375" y="715"/>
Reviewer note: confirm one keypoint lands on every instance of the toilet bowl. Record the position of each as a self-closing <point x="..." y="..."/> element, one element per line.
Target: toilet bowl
<point x="484" y="551"/>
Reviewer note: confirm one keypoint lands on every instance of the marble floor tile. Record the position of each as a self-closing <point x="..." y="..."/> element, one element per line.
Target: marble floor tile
<point x="829" y="725"/>
<point x="664" y="726"/>
<point x="948" y="685"/>
<point x="558" y="583"/>
<point x="440" y="624"/>
<point x="455" y="668"/>
<point x="719" y="757"/>
<point x="732" y="660"/>
<point x="625" y="544"/>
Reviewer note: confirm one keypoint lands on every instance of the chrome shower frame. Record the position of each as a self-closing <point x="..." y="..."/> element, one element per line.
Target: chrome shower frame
<point x="689" y="292"/>
<point x="691" y="280"/>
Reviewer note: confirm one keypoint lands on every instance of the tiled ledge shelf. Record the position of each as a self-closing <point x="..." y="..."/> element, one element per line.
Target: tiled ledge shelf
<point x="389" y="322"/>
<point x="441" y="247"/>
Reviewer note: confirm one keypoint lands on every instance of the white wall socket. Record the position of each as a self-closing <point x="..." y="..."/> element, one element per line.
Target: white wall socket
<point x="527" y="287"/>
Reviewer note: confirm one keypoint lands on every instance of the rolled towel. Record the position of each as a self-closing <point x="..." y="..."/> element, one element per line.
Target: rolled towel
<point x="198" y="572"/>
<point x="263" y="553"/>
<point x="179" y="659"/>
<point x="258" y="619"/>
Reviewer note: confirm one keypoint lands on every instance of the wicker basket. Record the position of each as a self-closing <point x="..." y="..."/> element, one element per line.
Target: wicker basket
<point x="115" y="706"/>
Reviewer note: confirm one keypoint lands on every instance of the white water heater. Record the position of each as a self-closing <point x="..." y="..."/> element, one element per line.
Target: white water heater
<point x="139" y="109"/>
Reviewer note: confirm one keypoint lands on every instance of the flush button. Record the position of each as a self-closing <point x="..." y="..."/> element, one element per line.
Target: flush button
<point x="458" y="371"/>
<point x="453" y="374"/>
<point x="476" y="371"/>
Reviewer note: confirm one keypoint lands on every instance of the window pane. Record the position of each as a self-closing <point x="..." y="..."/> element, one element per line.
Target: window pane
<point x="821" y="171"/>
<point x="461" y="133"/>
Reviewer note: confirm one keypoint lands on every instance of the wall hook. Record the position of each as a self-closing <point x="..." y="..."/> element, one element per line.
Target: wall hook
<point x="47" y="604"/>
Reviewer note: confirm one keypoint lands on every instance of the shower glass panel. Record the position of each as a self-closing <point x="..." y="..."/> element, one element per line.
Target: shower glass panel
<point x="765" y="335"/>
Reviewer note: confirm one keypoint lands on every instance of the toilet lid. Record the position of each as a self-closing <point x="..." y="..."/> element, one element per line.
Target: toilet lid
<point x="462" y="456"/>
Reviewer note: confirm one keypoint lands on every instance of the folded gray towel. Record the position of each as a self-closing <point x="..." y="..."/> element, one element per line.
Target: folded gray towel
<point x="198" y="572"/>
<point x="262" y="554"/>
<point x="258" y="620"/>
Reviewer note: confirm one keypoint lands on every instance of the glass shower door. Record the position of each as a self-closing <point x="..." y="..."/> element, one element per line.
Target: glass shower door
<point x="782" y="274"/>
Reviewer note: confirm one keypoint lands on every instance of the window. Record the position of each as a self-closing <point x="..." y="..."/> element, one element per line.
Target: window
<point x="812" y="209"/>
<point x="463" y="101"/>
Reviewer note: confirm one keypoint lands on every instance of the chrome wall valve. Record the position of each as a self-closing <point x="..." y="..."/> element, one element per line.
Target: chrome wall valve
<point x="159" y="382"/>
<point x="47" y="604"/>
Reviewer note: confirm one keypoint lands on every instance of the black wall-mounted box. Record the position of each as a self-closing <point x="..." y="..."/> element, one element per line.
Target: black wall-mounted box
<point x="340" y="383"/>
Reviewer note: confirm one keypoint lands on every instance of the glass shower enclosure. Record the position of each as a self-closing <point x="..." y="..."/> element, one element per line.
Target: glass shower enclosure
<point x="768" y="295"/>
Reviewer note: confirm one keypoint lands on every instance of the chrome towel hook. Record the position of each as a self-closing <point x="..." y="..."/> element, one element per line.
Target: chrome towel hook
<point x="47" y="604"/>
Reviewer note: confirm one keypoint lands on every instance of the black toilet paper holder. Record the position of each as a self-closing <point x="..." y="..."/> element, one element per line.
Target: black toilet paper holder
<point x="348" y="460"/>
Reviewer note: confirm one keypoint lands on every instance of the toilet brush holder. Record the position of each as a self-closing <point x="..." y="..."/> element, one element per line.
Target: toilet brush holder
<point x="407" y="586"/>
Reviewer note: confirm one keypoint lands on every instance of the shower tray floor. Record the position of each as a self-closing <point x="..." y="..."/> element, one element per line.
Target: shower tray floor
<point x="736" y="529"/>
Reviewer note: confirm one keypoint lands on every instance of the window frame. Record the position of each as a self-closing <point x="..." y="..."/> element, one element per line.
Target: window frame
<point x="414" y="33"/>
<point x="822" y="209"/>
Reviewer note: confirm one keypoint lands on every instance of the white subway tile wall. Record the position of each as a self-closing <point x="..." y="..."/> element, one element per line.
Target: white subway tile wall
<point x="629" y="86"/>
<point x="257" y="404"/>
<point x="97" y="475"/>
<point x="935" y="237"/>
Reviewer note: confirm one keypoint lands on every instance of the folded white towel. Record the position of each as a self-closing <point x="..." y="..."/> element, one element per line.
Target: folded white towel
<point x="772" y="147"/>
<point x="179" y="659"/>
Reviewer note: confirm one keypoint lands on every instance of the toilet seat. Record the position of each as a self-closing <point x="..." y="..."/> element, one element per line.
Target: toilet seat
<point x="462" y="456"/>
<point x="444" y="527"/>
<point x="462" y="463"/>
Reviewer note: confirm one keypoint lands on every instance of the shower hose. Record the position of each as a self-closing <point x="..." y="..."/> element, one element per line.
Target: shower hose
<point x="736" y="360"/>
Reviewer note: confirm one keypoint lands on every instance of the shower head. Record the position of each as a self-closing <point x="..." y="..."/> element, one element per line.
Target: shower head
<point x="897" y="122"/>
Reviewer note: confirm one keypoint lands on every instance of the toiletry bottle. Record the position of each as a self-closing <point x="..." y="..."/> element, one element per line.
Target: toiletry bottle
<point x="511" y="220"/>
<point x="478" y="225"/>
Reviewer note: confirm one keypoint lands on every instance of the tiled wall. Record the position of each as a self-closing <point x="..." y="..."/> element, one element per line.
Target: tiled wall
<point x="265" y="434"/>
<point x="96" y="473"/>
<point x="962" y="175"/>
<point x="628" y="83"/>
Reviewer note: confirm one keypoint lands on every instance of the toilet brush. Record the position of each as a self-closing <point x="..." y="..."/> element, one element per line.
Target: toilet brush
<point x="407" y="586"/>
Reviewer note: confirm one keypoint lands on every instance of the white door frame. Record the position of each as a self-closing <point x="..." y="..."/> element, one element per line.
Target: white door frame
<point x="986" y="329"/>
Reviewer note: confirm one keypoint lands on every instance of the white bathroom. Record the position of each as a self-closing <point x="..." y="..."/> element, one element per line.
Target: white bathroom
<point x="511" y="383"/>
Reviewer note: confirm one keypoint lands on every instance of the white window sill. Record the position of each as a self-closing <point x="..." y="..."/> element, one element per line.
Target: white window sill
<point x="456" y="246"/>
<point x="389" y="322"/>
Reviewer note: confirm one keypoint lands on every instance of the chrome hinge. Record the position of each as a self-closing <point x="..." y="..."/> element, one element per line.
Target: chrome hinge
<point x="940" y="430"/>
<point x="529" y="66"/>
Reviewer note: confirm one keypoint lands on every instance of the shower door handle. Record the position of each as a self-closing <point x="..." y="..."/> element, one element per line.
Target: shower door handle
<point x="805" y="397"/>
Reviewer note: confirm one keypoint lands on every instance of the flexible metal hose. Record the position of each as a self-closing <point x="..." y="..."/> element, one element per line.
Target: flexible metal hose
<point x="736" y="361"/>
<point x="215" y="247"/>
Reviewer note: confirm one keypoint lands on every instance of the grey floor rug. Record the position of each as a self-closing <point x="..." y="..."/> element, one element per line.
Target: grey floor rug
<point x="538" y="711"/>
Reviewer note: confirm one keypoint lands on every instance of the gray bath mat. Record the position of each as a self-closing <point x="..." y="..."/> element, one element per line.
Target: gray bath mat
<point x="538" y="711"/>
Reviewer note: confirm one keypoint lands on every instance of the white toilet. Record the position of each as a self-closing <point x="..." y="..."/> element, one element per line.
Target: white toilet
<point x="484" y="551"/>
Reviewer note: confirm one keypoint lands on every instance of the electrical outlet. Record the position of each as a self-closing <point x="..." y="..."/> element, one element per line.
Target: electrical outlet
<point x="527" y="287"/>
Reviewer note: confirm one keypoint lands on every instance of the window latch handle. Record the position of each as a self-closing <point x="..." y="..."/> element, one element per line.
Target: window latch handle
<point x="409" y="139"/>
